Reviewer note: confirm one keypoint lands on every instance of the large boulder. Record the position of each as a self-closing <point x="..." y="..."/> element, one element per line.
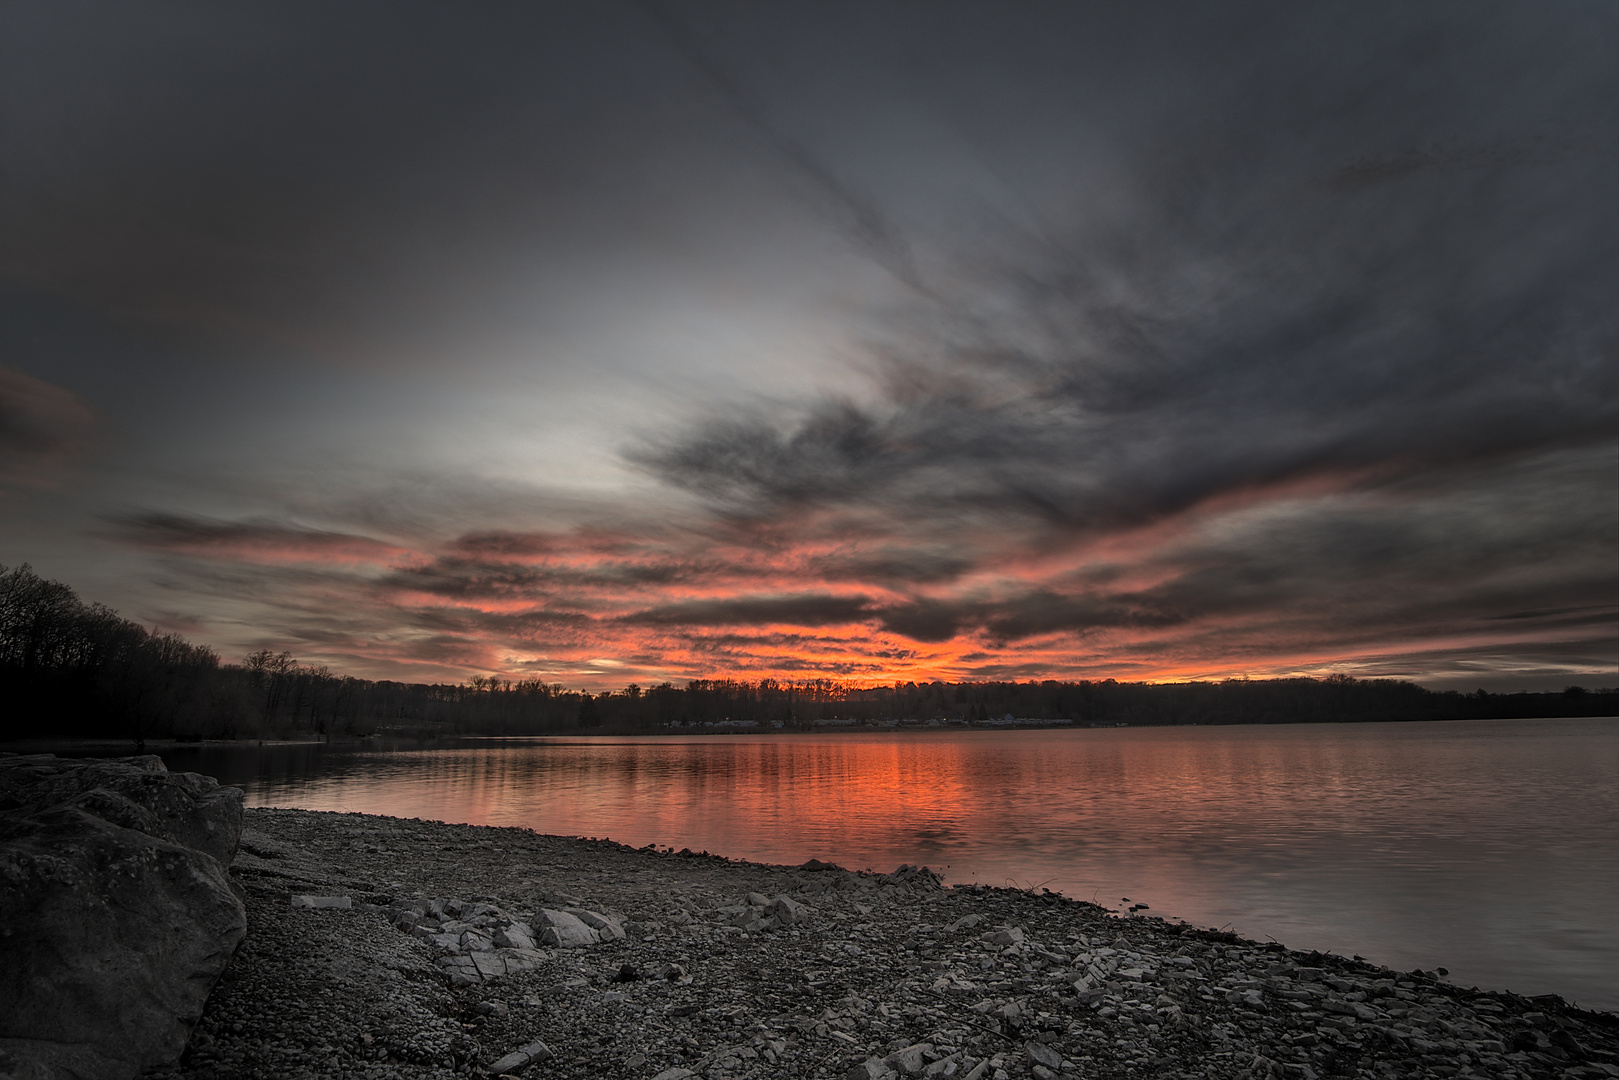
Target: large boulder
<point x="187" y="808"/>
<point x="116" y="912"/>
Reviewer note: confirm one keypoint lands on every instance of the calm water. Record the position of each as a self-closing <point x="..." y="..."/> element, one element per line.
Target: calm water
<point x="1490" y="848"/>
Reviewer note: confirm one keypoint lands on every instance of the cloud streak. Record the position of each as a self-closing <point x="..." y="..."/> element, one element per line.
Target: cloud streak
<point x="1314" y="583"/>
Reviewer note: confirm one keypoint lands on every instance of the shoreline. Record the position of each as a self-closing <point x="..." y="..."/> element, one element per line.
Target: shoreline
<point x="728" y="970"/>
<point x="97" y="746"/>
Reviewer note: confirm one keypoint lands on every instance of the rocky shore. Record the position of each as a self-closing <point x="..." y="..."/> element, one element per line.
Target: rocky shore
<point x="384" y="948"/>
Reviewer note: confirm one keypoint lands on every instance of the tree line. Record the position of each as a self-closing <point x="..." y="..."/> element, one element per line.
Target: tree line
<point x="75" y="669"/>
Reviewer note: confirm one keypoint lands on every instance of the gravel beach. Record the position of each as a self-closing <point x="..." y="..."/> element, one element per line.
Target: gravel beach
<point x="383" y="948"/>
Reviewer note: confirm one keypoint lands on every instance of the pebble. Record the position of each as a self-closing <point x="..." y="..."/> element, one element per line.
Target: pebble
<point x="870" y="977"/>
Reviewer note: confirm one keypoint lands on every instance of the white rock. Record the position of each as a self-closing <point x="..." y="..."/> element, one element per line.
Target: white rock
<point x="606" y="926"/>
<point x="515" y="936"/>
<point x="489" y="964"/>
<point x="565" y="930"/>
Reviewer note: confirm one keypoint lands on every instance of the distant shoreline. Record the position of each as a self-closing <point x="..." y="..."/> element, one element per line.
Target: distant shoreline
<point x="71" y="744"/>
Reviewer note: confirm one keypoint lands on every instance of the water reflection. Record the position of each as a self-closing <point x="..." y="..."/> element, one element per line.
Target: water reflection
<point x="1491" y="848"/>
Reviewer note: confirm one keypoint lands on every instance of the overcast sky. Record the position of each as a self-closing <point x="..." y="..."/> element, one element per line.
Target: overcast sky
<point x="622" y="342"/>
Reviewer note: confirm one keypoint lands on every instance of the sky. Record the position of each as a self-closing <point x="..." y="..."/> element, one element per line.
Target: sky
<point x="636" y="341"/>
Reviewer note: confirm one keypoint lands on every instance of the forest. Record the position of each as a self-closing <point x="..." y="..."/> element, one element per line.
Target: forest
<point x="71" y="669"/>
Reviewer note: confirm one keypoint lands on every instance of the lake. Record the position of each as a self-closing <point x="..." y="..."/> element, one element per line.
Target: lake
<point x="1490" y="848"/>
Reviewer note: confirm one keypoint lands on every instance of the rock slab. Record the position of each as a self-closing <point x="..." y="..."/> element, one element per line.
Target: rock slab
<point x="116" y="912"/>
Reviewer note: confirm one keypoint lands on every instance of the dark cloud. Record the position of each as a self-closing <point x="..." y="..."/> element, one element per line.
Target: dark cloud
<point x="251" y="541"/>
<point x="816" y="609"/>
<point x="895" y="566"/>
<point x="924" y="620"/>
<point x="1238" y="324"/>
<point x="43" y="430"/>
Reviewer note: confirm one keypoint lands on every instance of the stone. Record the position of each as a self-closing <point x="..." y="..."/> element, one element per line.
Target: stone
<point x="1006" y="935"/>
<point x="966" y="922"/>
<point x="116" y="911"/>
<point x="522" y="1057"/>
<point x="1041" y="1054"/>
<point x="754" y="899"/>
<point x="915" y="876"/>
<point x="515" y="936"/>
<point x="335" y="903"/>
<point x="476" y="941"/>
<point x="676" y="1073"/>
<point x="188" y="809"/>
<point x="565" y="930"/>
<point x="789" y="912"/>
<point x="461" y="970"/>
<point x="911" y="1060"/>
<point x="873" y="1069"/>
<point x="746" y="919"/>
<point x="607" y="927"/>
<point x="521" y="959"/>
<point x="489" y="965"/>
